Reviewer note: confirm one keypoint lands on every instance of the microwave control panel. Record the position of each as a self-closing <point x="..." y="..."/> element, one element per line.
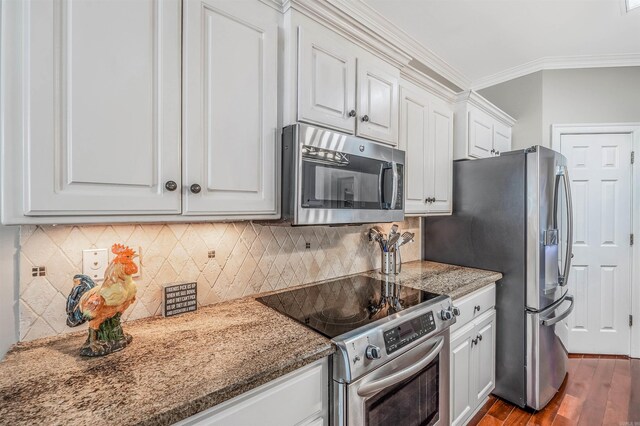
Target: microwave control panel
<point x="407" y="332"/>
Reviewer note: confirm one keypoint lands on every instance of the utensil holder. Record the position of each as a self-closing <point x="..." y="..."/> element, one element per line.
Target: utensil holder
<point x="388" y="263"/>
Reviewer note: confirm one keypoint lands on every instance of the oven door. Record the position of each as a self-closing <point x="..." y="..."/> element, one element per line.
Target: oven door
<point x="411" y="390"/>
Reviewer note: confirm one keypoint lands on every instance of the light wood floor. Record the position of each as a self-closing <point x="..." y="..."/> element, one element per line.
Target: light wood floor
<point x="598" y="390"/>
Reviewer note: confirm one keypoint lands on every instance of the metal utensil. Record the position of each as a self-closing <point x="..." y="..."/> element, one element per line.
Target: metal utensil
<point x="393" y="239"/>
<point x="376" y="234"/>
<point x="405" y="238"/>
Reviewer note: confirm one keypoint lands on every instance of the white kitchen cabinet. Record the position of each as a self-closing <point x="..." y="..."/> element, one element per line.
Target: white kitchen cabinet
<point x="426" y="134"/>
<point x="230" y="127"/>
<point x="93" y="112"/>
<point x="327" y="79"/>
<point x="377" y="99"/>
<point x="481" y="129"/>
<point x="473" y="347"/>
<point x="299" y="398"/>
<point x="329" y="66"/>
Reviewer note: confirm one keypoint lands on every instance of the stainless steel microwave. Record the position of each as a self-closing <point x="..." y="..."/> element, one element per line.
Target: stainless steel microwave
<point x="332" y="178"/>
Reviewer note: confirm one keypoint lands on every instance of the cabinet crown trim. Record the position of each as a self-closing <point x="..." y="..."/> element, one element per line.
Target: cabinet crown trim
<point x="479" y="101"/>
<point x="356" y="20"/>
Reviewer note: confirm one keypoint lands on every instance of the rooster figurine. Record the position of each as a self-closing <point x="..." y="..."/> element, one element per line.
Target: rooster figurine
<point x="104" y="304"/>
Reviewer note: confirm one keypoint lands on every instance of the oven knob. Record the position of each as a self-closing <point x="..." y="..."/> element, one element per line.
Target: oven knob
<point x="456" y="311"/>
<point x="446" y="315"/>
<point x="373" y="352"/>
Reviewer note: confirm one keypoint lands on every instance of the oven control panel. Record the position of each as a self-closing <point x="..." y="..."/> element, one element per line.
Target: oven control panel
<point x="407" y="332"/>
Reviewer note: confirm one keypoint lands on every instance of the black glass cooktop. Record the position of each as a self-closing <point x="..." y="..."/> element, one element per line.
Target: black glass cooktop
<point x="337" y="307"/>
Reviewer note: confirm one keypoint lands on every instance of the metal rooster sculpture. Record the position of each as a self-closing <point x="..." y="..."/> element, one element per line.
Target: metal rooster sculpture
<point x="104" y="304"/>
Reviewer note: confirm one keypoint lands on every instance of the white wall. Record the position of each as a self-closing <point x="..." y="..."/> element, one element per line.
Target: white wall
<point x="595" y="95"/>
<point x="522" y="99"/>
<point x="9" y="236"/>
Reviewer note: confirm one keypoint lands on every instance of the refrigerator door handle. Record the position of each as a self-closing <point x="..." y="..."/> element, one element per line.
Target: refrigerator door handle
<point x="563" y="174"/>
<point x="556" y="319"/>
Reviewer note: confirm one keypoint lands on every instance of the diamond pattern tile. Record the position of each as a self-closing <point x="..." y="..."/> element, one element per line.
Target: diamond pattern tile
<point x="250" y="259"/>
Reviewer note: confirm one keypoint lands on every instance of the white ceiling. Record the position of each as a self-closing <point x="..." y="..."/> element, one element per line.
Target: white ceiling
<point x="490" y="40"/>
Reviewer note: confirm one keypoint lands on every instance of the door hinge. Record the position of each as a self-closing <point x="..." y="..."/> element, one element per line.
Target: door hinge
<point x="633" y="157"/>
<point x="631" y="239"/>
<point x="630" y="320"/>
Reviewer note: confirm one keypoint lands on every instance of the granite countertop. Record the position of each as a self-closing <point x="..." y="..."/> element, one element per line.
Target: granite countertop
<point x="454" y="281"/>
<point x="175" y="368"/>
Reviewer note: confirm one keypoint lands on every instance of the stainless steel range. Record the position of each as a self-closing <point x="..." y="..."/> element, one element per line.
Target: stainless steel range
<point x="392" y="363"/>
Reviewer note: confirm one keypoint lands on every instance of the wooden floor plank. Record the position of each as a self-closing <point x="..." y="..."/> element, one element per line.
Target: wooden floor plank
<point x="501" y="410"/>
<point x="634" y="397"/>
<point x="484" y="410"/>
<point x="597" y="390"/>
<point x="593" y="409"/>
<point x="617" y="409"/>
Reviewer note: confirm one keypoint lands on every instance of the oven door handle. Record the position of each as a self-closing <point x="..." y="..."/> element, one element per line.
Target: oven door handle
<point x="397" y="377"/>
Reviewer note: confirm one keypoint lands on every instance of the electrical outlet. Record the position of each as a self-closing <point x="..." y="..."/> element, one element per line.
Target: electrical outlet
<point x="94" y="263"/>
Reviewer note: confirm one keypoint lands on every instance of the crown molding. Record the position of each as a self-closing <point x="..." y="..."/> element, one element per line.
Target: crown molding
<point x="428" y="84"/>
<point x="473" y="98"/>
<point x="557" y="63"/>
<point x="366" y="26"/>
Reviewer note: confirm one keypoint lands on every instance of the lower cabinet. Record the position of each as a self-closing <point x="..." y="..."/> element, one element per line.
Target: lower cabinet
<point x="473" y="368"/>
<point x="299" y="398"/>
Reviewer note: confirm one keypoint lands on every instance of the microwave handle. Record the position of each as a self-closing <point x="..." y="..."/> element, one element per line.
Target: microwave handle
<point x="394" y="197"/>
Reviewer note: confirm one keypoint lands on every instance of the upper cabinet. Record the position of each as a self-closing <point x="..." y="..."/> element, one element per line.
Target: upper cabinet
<point x="426" y="134"/>
<point x="140" y="111"/>
<point x="344" y="87"/>
<point x="231" y="129"/>
<point x="93" y="113"/>
<point x="482" y="130"/>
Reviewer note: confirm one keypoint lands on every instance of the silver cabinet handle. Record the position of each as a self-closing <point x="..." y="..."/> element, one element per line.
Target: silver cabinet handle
<point x="352" y="113"/>
<point x="365" y="118"/>
<point x="195" y="188"/>
<point x="557" y="319"/>
<point x="397" y="377"/>
<point x="171" y="185"/>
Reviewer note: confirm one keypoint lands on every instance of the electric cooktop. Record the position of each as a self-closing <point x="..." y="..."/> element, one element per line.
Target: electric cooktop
<point x="336" y="307"/>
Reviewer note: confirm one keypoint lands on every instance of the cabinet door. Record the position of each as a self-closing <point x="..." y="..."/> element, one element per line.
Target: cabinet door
<point x="501" y="138"/>
<point x="414" y="132"/>
<point x="326" y="79"/>
<point x="480" y="134"/>
<point x="485" y="357"/>
<point x="230" y="108"/>
<point x="377" y="99"/>
<point x="462" y="375"/>
<point x="102" y="105"/>
<point x="439" y="167"/>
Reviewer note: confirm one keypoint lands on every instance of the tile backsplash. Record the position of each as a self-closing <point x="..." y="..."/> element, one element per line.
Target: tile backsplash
<point x="249" y="259"/>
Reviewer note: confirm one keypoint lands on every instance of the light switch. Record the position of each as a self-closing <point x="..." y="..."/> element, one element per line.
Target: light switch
<point x="94" y="263"/>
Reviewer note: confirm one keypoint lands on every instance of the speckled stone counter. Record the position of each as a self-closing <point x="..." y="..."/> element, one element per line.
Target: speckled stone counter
<point x="455" y="281"/>
<point x="174" y="368"/>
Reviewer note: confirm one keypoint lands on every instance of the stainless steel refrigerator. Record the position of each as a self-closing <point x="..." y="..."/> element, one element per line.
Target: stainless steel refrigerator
<point x="512" y="214"/>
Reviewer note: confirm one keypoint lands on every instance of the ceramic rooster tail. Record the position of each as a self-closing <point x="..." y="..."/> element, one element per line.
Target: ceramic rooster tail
<point x="82" y="284"/>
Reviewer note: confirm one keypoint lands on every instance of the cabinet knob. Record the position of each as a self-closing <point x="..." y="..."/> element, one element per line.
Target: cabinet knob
<point x="171" y="185"/>
<point x="352" y="113"/>
<point x="479" y="337"/>
<point x="474" y="341"/>
<point x="476" y="308"/>
<point x="365" y="118"/>
<point x="497" y="152"/>
<point x="195" y="188"/>
<point x="493" y="151"/>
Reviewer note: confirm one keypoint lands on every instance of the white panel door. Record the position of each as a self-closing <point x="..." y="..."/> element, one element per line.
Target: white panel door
<point x="230" y="108"/>
<point x="462" y="375"/>
<point x="484" y="357"/>
<point x="414" y="134"/>
<point x="103" y="107"/>
<point x="326" y="79"/>
<point x="439" y="167"/>
<point x="600" y="172"/>
<point x="480" y="134"/>
<point x="377" y="99"/>
<point x="501" y="138"/>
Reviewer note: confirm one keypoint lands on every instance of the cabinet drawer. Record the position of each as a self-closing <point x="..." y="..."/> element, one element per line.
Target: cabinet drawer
<point x="485" y="299"/>
<point x="270" y="404"/>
